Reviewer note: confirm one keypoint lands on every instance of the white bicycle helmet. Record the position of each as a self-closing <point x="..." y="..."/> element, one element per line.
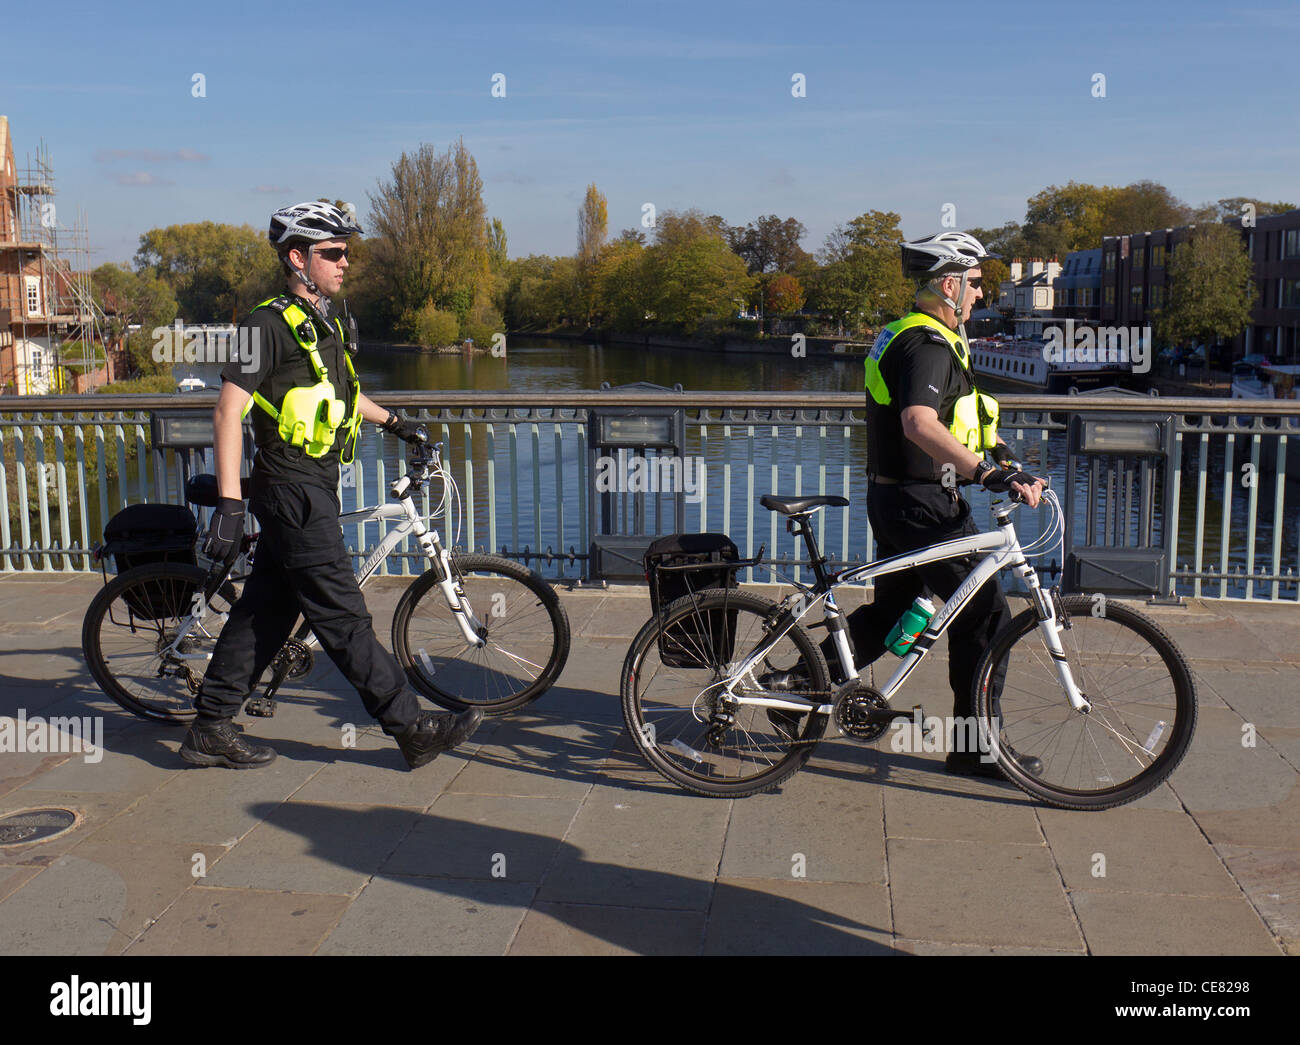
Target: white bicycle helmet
<point x="941" y="254"/>
<point x="310" y="223"/>
<point x="314" y="222"/>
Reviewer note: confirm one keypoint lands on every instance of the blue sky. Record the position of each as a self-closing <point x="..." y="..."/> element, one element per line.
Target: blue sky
<point x="908" y="107"/>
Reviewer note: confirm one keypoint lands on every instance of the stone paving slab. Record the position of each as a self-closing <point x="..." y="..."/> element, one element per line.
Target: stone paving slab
<point x="1158" y="924"/>
<point x="304" y="847"/>
<point x="777" y="916"/>
<point x="970" y="892"/>
<point x="432" y="916"/>
<point x="209" y="920"/>
<point x="551" y="928"/>
<point x="336" y="848"/>
<point x="1135" y="850"/>
<point x="485" y="836"/>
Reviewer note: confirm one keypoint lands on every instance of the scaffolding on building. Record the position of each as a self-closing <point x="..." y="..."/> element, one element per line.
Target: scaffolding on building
<point x="65" y="309"/>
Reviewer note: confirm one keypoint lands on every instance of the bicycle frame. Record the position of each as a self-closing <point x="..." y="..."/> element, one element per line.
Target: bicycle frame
<point x="1000" y="548"/>
<point x="402" y="511"/>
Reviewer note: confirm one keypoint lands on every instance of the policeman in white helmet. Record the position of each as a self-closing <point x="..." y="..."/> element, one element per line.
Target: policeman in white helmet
<point x="306" y="406"/>
<point x="928" y="430"/>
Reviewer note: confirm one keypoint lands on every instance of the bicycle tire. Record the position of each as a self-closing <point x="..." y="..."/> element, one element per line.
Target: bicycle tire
<point x="121" y="648"/>
<point x="1142" y="696"/>
<point x="526" y="627"/>
<point x="664" y="693"/>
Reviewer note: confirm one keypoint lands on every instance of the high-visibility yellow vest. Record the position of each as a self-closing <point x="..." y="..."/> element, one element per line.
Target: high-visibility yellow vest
<point x="975" y="415"/>
<point x="311" y="415"/>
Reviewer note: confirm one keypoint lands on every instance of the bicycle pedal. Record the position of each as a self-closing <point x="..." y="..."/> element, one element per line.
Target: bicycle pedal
<point x="260" y="706"/>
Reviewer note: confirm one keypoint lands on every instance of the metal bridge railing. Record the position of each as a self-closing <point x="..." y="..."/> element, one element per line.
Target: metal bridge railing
<point x="68" y="463"/>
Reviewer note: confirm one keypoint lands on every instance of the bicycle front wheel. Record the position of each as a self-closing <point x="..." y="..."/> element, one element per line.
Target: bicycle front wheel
<point x="1142" y="697"/>
<point x="522" y="639"/>
<point x="678" y="713"/>
<point x="128" y="637"/>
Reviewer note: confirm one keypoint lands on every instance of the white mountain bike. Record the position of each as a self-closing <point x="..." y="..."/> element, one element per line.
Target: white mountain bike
<point x="726" y="693"/>
<point x="471" y="631"/>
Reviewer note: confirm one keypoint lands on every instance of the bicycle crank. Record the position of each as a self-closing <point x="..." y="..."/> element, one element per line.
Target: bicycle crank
<point x="863" y="714"/>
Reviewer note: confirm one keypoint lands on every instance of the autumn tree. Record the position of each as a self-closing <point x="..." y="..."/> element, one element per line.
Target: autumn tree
<point x="430" y="241"/>
<point x="593" y="219"/>
<point x="784" y="294"/>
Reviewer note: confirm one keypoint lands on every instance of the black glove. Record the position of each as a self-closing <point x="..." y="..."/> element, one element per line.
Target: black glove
<point x="999" y="480"/>
<point x="405" y="430"/>
<point x="1003" y="455"/>
<point x="225" y="530"/>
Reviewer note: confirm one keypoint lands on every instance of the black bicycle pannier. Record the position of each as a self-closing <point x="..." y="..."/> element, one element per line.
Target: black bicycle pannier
<point x="706" y="639"/>
<point x="145" y="533"/>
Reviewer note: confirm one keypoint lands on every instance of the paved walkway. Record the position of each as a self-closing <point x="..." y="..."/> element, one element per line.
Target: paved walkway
<point x="547" y="835"/>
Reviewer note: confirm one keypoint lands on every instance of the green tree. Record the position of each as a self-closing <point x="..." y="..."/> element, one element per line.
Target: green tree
<point x="692" y="272"/>
<point x="1211" y="288"/>
<point x="134" y="299"/>
<point x="217" y="272"/>
<point x="1059" y="220"/>
<point x="770" y="244"/>
<point x="995" y="273"/>
<point x="1140" y="207"/>
<point x="1233" y="209"/>
<point x="862" y="281"/>
<point x="1007" y="240"/>
<point x="621" y="296"/>
<point x="497" y="253"/>
<point x="430" y="239"/>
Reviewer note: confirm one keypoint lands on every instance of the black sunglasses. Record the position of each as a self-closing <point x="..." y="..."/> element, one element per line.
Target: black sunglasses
<point x="332" y="253"/>
<point x="974" y="284"/>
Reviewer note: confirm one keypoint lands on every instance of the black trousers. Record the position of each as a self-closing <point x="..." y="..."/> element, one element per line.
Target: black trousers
<point x="302" y="566"/>
<point x="905" y="518"/>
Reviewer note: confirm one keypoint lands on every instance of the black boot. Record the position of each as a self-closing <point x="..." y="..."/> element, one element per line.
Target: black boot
<point x="221" y="743"/>
<point x="436" y="732"/>
<point x="961" y="763"/>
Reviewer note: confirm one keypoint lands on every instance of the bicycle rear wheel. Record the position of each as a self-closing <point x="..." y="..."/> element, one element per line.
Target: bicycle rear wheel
<point x="525" y="629"/>
<point x="1143" y="702"/>
<point x="681" y="720"/>
<point x="129" y="627"/>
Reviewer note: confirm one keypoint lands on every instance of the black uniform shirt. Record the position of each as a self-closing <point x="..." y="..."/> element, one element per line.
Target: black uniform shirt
<point x="278" y="364"/>
<point x="919" y="368"/>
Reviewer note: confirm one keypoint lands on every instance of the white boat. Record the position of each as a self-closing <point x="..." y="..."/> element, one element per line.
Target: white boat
<point x="1025" y="362"/>
<point x="1264" y="381"/>
<point x="192" y="384"/>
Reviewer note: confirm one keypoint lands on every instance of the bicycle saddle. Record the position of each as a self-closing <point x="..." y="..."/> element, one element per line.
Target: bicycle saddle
<point x="202" y="490"/>
<point x="799" y="505"/>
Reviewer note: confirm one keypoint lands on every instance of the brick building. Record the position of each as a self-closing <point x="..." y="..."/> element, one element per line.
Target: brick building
<point x="1134" y="282"/>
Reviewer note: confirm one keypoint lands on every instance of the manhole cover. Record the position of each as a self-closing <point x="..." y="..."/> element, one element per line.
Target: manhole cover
<point x="35" y="825"/>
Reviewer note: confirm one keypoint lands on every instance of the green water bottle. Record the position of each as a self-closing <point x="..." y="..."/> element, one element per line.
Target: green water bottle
<point x="909" y="626"/>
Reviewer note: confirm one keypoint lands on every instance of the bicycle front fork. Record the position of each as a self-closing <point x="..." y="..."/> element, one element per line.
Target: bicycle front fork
<point x="452" y="591"/>
<point x="1051" y="622"/>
